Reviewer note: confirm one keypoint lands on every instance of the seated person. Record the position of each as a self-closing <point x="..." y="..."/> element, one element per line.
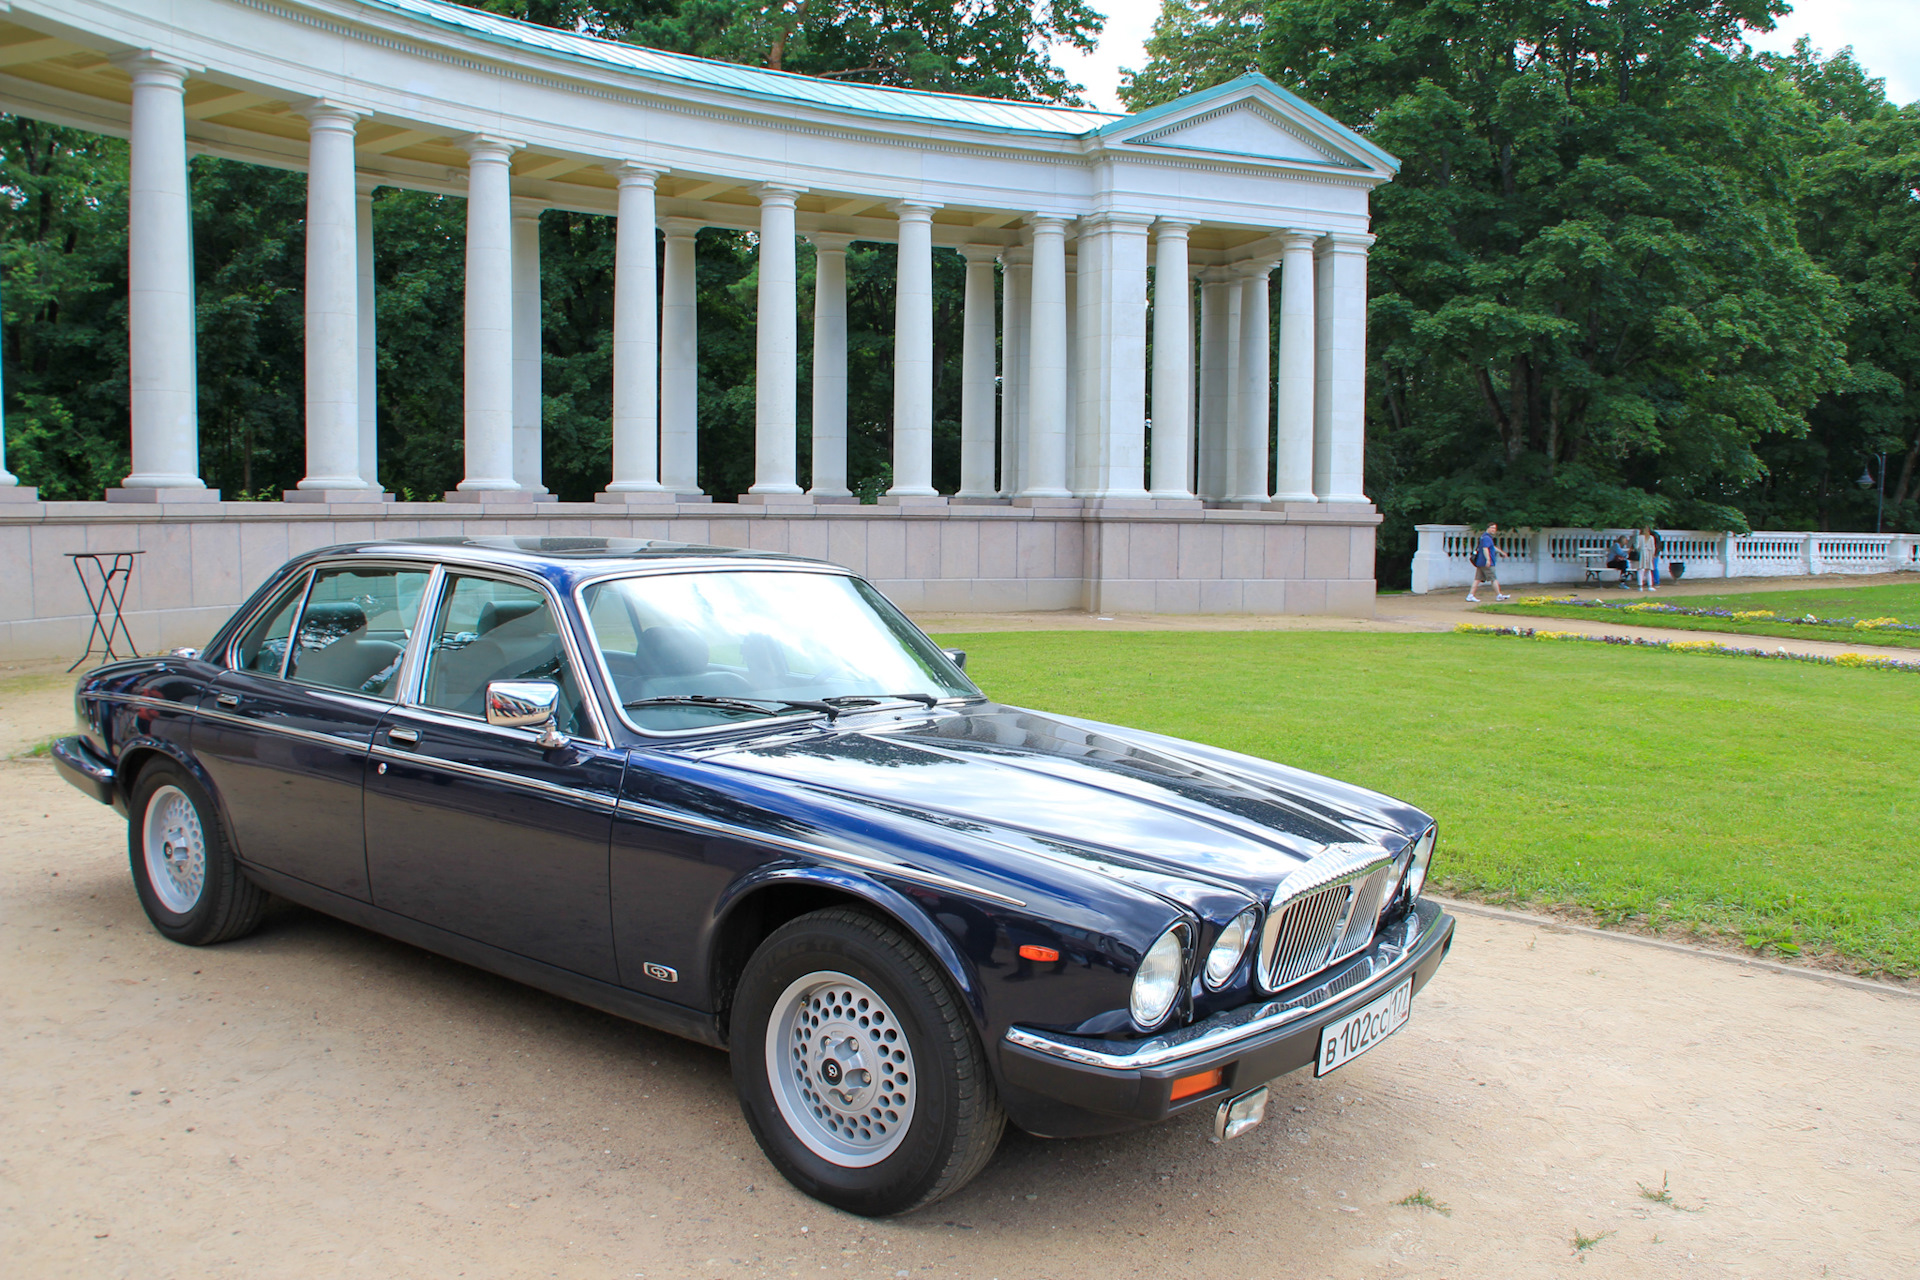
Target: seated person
<point x="1618" y="557"/>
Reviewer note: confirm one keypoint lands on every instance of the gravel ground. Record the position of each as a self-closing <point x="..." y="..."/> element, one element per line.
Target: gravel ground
<point x="317" y="1100"/>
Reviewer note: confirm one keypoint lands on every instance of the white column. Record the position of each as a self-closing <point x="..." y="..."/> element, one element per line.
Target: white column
<point x="369" y="356"/>
<point x="527" y="405"/>
<point x="1293" y="450"/>
<point x="1076" y="361"/>
<point x="1256" y="344"/>
<point x="1117" y="353"/>
<point x="636" y="334"/>
<point x="332" y="302"/>
<point x="913" y="354"/>
<point x="489" y="318"/>
<point x="977" y="361"/>
<point x="679" y="361"/>
<point x="1017" y="272"/>
<point x="1340" y="424"/>
<point x="1043" y="469"/>
<point x="1172" y="362"/>
<point x="829" y="365"/>
<point x="160" y="313"/>
<point x="776" y="411"/>
<point x="8" y="480"/>
<point x="1218" y="299"/>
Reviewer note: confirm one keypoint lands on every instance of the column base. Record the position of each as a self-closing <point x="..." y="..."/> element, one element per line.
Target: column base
<point x="841" y="499"/>
<point x="637" y="498"/>
<point x="978" y="500"/>
<point x="795" y="499"/>
<point x="19" y="493"/>
<point x="1059" y="501"/>
<point x="497" y="497"/>
<point x="335" y="495"/>
<point x="170" y="495"/>
<point x="913" y="500"/>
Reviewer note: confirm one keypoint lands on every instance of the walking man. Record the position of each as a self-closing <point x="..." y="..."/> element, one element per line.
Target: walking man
<point x="1486" y="560"/>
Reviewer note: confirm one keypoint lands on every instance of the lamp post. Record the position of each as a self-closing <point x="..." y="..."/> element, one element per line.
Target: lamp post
<point x="1867" y="481"/>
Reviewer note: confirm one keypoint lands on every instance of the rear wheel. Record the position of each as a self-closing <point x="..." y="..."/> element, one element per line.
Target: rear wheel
<point x="183" y="868"/>
<point x="858" y="1068"/>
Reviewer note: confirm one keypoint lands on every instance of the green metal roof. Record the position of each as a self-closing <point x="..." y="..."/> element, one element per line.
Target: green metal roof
<point x="866" y="99"/>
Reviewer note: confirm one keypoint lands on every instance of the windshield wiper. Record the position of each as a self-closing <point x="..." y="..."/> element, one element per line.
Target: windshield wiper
<point x="869" y="699"/>
<point x="756" y="705"/>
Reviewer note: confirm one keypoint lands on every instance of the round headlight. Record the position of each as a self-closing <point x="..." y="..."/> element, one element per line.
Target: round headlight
<point x="1422" y="859"/>
<point x="1228" y="948"/>
<point x="1158" y="981"/>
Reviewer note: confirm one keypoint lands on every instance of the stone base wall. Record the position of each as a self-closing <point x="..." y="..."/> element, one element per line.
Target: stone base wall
<point x="201" y="559"/>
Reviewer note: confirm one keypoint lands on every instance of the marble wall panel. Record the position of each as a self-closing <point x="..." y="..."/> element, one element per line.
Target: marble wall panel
<point x="1202" y="550"/>
<point x="216" y="565"/>
<point x="848" y="544"/>
<point x="923" y="549"/>
<point x="886" y="549"/>
<point x="1153" y="548"/>
<point x="1286" y="551"/>
<point x="1328" y="551"/>
<point x="999" y="548"/>
<point x="16" y="572"/>
<point x="163" y="577"/>
<point x="959" y="550"/>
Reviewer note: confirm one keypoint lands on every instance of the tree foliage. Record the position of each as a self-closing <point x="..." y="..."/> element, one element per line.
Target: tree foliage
<point x="1594" y="295"/>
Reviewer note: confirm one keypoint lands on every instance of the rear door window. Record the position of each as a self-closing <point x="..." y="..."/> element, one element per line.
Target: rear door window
<point x="263" y="649"/>
<point x="354" y="631"/>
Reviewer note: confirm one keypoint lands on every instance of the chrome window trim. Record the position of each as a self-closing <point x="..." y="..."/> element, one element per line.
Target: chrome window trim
<point x="1382" y="965"/>
<point x="671" y="735"/>
<point x="286" y="731"/>
<point x="704" y="826"/>
<point x="555" y="605"/>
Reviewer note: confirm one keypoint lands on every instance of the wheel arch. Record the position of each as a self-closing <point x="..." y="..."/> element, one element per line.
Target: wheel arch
<point x="757" y="905"/>
<point x="140" y="754"/>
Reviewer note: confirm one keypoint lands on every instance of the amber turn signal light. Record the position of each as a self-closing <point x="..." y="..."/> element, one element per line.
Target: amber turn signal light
<point x="1045" y="955"/>
<point x="1187" y="1086"/>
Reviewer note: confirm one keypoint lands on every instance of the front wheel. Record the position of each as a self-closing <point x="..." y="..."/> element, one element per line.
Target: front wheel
<point x="858" y="1069"/>
<point x="183" y="868"/>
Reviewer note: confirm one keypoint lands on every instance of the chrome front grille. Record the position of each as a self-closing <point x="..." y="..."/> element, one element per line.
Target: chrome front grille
<point x="1326" y="917"/>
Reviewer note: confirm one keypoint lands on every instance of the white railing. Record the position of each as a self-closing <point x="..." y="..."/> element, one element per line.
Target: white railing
<point x="1444" y="556"/>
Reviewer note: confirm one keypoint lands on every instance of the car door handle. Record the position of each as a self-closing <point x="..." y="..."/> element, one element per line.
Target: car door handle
<point x="228" y="700"/>
<point x="405" y="737"/>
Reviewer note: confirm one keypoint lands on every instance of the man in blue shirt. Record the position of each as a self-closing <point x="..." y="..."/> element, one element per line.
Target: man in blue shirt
<point x="1486" y="558"/>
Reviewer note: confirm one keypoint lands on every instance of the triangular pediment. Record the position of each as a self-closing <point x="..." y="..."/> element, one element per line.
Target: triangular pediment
<point x="1244" y="129"/>
<point x="1251" y="118"/>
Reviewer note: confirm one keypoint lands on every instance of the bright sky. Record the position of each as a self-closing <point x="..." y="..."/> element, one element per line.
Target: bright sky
<point x="1885" y="35"/>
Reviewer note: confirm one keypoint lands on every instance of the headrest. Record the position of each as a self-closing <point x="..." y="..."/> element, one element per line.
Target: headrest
<point x="495" y="612"/>
<point x="672" y="651"/>
<point x="334" y="617"/>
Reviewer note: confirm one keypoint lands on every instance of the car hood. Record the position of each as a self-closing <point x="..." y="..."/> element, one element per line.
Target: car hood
<point x="1118" y="799"/>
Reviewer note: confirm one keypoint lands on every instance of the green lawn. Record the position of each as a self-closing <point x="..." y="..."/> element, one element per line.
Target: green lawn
<point x="1900" y="601"/>
<point x="1771" y="802"/>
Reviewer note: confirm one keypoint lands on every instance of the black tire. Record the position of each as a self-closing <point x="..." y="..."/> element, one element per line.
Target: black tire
<point x="227" y="905"/>
<point x="955" y="1119"/>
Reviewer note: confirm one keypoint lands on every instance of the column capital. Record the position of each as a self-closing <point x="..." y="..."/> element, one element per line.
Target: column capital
<point x="681" y="226"/>
<point x="328" y="113"/>
<point x="1117" y="220"/>
<point x="365" y="184"/>
<point x="1053" y="223"/>
<point x="828" y="241"/>
<point x="978" y="252"/>
<point x="1294" y="241"/>
<point x="1171" y="227"/>
<point x="1343" y="242"/>
<point x="523" y="207"/>
<point x="146" y="66"/>
<point x="1016" y="255"/>
<point x="1256" y="268"/>
<point x="778" y="193"/>
<point x="488" y="146"/>
<point x="636" y="172"/>
<point x="913" y="210"/>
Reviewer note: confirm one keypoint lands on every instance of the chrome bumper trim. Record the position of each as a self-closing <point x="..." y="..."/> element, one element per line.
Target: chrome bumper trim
<point x="1392" y="953"/>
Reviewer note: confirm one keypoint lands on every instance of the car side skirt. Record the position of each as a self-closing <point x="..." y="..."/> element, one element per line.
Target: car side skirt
<point x="621" y="1002"/>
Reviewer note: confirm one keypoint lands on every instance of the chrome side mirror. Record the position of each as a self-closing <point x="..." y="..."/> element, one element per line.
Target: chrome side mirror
<point x="527" y="704"/>
<point x="958" y="657"/>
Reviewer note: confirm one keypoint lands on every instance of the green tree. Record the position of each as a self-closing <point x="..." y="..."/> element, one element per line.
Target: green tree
<point x="1860" y="218"/>
<point x="1589" y="303"/>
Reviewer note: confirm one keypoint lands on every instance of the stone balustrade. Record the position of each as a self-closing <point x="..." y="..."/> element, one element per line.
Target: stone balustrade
<point x="1443" y="556"/>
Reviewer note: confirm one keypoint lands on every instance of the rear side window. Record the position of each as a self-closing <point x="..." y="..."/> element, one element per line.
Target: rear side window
<point x="263" y="648"/>
<point x="354" y="630"/>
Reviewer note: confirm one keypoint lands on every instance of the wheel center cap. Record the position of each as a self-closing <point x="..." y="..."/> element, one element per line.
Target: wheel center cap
<point x="843" y="1069"/>
<point x="830" y="1071"/>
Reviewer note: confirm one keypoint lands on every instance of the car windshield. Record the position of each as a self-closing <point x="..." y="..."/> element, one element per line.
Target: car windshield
<point x="698" y="650"/>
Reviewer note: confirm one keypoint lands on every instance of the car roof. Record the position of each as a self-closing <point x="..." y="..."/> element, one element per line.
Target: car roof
<point x="565" y="559"/>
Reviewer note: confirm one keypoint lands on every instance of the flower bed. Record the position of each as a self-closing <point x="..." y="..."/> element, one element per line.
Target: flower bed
<point x="1732" y="615"/>
<point x="1694" y="646"/>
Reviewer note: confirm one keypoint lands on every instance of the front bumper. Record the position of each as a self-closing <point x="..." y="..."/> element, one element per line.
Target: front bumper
<point x="1060" y="1085"/>
<point x="80" y="765"/>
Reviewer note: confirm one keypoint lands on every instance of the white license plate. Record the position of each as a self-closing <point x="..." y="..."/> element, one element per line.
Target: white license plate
<point x="1343" y="1041"/>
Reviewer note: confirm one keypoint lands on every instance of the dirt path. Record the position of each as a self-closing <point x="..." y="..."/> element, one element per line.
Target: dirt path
<point x="316" y="1100"/>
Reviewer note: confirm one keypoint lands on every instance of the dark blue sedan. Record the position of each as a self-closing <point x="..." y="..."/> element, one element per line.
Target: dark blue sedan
<point x="739" y="797"/>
